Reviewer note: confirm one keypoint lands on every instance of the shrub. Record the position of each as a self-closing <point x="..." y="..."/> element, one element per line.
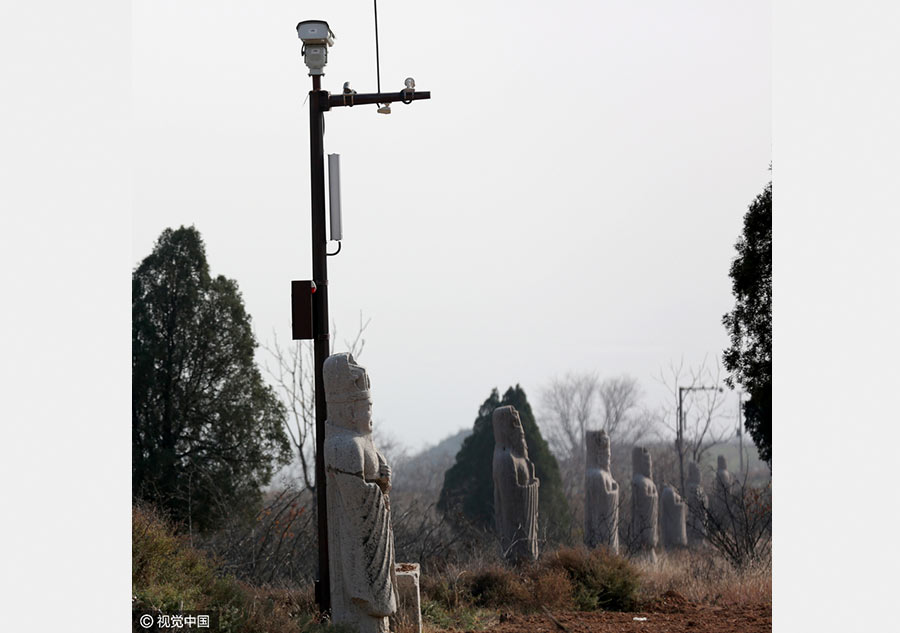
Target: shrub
<point x="551" y="588"/>
<point x="446" y="589"/>
<point x="600" y="580"/>
<point x="739" y="525"/>
<point x="496" y="586"/>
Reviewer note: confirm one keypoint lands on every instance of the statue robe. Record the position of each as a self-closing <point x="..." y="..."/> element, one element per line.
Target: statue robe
<point x="601" y="514"/>
<point x="515" y="505"/>
<point x="673" y="519"/>
<point x="360" y="538"/>
<point x="645" y="511"/>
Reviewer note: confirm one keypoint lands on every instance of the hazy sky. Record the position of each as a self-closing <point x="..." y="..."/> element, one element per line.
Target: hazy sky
<point x="568" y="200"/>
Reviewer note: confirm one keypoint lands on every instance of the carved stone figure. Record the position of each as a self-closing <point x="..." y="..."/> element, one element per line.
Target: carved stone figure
<point x="601" y="496"/>
<point x="360" y="539"/>
<point x="673" y="520"/>
<point x="725" y="478"/>
<point x="698" y="504"/>
<point x="723" y="503"/>
<point x="515" y="488"/>
<point x="644" y="501"/>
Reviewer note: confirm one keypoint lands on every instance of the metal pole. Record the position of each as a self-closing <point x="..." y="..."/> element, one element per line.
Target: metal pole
<point x="320" y="324"/>
<point x="741" y="430"/>
<point x="680" y="440"/>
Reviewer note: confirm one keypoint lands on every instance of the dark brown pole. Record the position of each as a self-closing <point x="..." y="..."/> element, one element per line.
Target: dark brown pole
<point x="679" y="434"/>
<point x="320" y="325"/>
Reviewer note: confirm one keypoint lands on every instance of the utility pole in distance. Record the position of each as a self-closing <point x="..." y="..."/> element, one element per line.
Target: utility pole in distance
<point x="679" y="428"/>
<point x="310" y="300"/>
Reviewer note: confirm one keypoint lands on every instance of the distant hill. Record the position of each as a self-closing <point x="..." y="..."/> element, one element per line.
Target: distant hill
<point x="449" y="446"/>
<point x="424" y="471"/>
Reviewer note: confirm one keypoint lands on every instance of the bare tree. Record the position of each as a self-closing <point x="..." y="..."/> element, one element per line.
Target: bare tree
<point x="705" y="422"/>
<point x="580" y="402"/>
<point x="276" y="547"/>
<point x="294" y="377"/>
<point x="620" y="397"/>
<point x="569" y="409"/>
<point x="738" y="521"/>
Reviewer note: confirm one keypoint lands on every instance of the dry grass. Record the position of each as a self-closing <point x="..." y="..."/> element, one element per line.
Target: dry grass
<point x="704" y="577"/>
<point x="168" y="575"/>
<point x="476" y="596"/>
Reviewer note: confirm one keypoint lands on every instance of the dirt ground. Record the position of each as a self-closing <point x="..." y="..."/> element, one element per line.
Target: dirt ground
<point x="670" y="614"/>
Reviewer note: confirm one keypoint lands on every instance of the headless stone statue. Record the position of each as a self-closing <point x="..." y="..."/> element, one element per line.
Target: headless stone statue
<point x="360" y="539"/>
<point x="515" y="488"/>
<point x="601" y="498"/>
<point x="673" y="519"/>
<point x="644" y="502"/>
<point x="698" y="505"/>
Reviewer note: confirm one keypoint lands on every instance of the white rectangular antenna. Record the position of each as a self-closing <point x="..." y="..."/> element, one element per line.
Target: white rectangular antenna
<point x="334" y="196"/>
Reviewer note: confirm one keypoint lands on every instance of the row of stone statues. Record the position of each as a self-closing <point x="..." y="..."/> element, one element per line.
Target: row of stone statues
<point x="654" y="517"/>
<point x="363" y="574"/>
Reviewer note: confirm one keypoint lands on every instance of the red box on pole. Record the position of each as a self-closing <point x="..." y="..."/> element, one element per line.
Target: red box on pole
<point x="302" y="310"/>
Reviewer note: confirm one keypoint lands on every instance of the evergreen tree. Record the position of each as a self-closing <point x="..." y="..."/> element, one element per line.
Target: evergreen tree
<point x="207" y="432"/>
<point x="749" y="358"/>
<point x="469" y="486"/>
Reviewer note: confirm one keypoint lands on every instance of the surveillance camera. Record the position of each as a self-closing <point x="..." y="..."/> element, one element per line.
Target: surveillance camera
<point x="317" y="37"/>
<point x="315" y="32"/>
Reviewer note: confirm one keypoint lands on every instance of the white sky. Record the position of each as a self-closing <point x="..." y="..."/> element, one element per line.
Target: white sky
<point x="568" y="199"/>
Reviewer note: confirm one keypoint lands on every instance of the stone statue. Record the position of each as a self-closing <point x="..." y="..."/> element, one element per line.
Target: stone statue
<point x="644" y="501"/>
<point x="723" y="503"/>
<point x="698" y="505"/>
<point x="360" y="539"/>
<point x="725" y="478"/>
<point x="673" y="520"/>
<point x="601" y="496"/>
<point x="515" y="488"/>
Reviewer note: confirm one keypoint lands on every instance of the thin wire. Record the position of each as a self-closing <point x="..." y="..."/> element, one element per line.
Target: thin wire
<point x="377" y="61"/>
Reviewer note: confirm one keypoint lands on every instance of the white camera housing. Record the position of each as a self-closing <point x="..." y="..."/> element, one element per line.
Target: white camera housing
<point x="317" y="37"/>
<point x="315" y="32"/>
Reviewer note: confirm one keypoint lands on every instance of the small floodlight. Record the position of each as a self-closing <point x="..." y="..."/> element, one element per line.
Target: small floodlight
<point x="410" y="83"/>
<point x="385" y="109"/>
<point x="317" y="37"/>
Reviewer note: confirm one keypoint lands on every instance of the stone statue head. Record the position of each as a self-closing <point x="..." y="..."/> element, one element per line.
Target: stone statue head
<point x="722" y="464"/>
<point x="641" y="462"/>
<point x="597" y="443"/>
<point x="508" y="430"/>
<point x="693" y="473"/>
<point x="347" y="393"/>
<point x="669" y="497"/>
